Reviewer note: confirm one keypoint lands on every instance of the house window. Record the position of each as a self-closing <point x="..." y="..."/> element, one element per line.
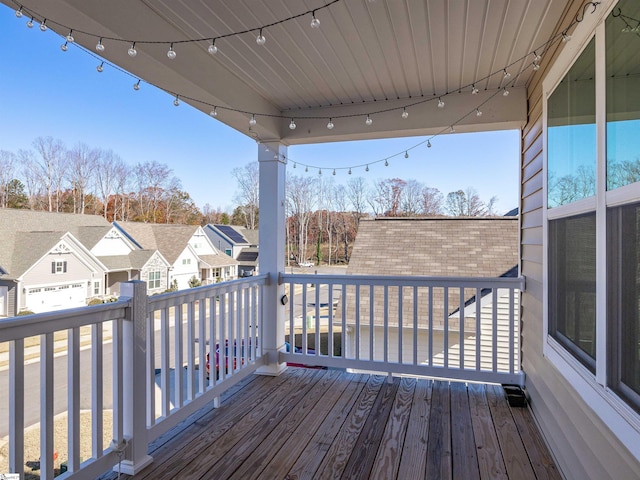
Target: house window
<point x="154" y="279"/>
<point x="96" y="288"/>
<point x="186" y="261"/>
<point x="593" y="207"/>
<point x="228" y="251"/>
<point x="59" y="266"/>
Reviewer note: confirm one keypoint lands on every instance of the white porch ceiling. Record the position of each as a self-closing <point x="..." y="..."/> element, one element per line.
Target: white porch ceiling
<point x="366" y="57"/>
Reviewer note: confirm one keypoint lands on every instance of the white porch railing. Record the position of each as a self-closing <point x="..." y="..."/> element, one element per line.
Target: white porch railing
<point x="156" y="349"/>
<point x="407" y="325"/>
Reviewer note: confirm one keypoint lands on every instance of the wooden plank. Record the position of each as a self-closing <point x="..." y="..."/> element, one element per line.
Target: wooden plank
<point x="308" y="414"/>
<point x="333" y="403"/>
<point x="513" y="452"/>
<point x="310" y="459"/>
<point x="490" y="461"/>
<point x="463" y="445"/>
<point x="230" y="450"/>
<point x="387" y="460"/>
<point x="539" y="456"/>
<point x="413" y="461"/>
<point x="439" y="443"/>
<point x="172" y="458"/>
<point x="335" y="461"/>
<point x="366" y="448"/>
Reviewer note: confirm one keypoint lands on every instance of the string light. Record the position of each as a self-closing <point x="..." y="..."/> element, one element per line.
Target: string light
<point x="478" y="112"/>
<point x="536" y="66"/>
<point x="505" y="92"/>
<point x="132" y="50"/>
<point x="440" y="103"/>
<point x="536" y="56"/>
<point x="260" y="39"/>
<point x="292" y="125"/>
<point x="100" y="46"/>
<point x="70" y="38"/>
<point x="349" y="170"/>
<point x="368" y="121"/>
<point x="428" y="144"/>
<point x="330" y="124"/>
<point x="214" y="112"/>
<point x="451" y="129"/>
<point x="294" y="164"/>
<point x="252" y="120"/>
<point x="43" y="25"/>
<point x="334" y="172"/>
<point x="506" y="75"/>
<point x="406" y="154"/>
<point x="19" y="13"/>
<point x="405" y="114"/>
<point x="212" y="49"/>
<point x="306" y="169"/>
<point x="30" y="23"/>
<point x="315" y="23"/>
<point x="176" y="102"/>
<point x="136" y="86"/>
<point x="64" y="47"/>
<point x="565" y="37"/>
<point x="100" y="67"/>
<point x="319" y="171"/>
<point x="474" y="90"/>
<point x="171" y="53"/>
<point x="366" y="169"/>
<point x="386" y="162"/>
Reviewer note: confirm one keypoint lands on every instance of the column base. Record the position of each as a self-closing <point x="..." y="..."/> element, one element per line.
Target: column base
<point x="129" y="468"/>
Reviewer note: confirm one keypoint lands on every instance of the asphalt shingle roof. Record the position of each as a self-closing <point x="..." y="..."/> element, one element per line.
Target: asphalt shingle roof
<point x="169" y="239"/>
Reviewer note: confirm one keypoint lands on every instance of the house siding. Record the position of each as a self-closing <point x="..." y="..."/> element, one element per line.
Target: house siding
<point x="582" y="443"/>
<point x="11" y="296"/>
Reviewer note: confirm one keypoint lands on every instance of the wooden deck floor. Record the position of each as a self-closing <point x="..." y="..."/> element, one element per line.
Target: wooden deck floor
<point x="320" y="424"/>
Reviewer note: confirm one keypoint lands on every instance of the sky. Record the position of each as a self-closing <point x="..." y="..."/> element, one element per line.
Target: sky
<point x="48" y="92"/>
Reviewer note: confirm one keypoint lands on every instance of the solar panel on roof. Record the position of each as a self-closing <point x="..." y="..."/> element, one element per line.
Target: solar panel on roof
<point x="232" y="233"/>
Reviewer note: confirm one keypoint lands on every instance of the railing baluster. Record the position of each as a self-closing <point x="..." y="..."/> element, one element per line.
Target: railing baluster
<point x="237" y="342"/>
<point x="202" y="345"/>
<point x="317" y="322"/>
<point x="254" y="321"/>
<point x="415" y="325"/>
<point x="292" y="308"/>
<point x="212" y="339"/>
<point x="304" y="323"/>
<point x="400" y="324"/>
<point x="446" y="327"/>
<point x="461" y="310"/>
<point x="191" y="352"/>
<point x="372" y="323"/>
<point x="494" y="294"/>
<point x="230" y="341"/>
<point x="118" y="382"/>
<point x="151" y="368"/>
<point x="385" y="333"/>
<point x="164" y="361"/>
<point x="220" y="359"/>
<point x="343" y="325"/>
<point x="478" y="328"/>
<point x="356" y="338"/>
<point x="46" y="406"/>
<point x="430" y="326"/>
<point x="512" y="328"/>
<point x="16" y="405"/>
<point x="97" y="389"/>
<point x="73" y="398"/>
<point x="246" y="348"/>
<point x="330" y="319"/>
<point x="178" y="359"/>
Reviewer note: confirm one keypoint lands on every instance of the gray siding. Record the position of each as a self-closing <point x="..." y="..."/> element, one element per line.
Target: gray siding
<point x="41" y="274"/>
<point x="11" y="300"/>
<point x="583" y="445"/>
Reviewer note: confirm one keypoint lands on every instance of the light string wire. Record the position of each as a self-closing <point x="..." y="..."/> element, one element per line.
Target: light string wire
<point x="538" y="52"/>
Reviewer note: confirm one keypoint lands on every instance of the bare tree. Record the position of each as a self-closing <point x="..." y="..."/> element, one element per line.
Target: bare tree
<point x="49" y="169"/>
<point x="248" y="178"/>
<point x="301" y="202"/>
<point x="411" y="199"/>
<point x="82" y="162"/>
<point x="155" y="183"/>
<point x="357" y="194"/>
<point x="431" y="201"/>
<point x="466" y="204"/>
<point x="7" y="172"/>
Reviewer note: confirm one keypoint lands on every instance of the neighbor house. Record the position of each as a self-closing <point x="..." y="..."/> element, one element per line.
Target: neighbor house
<point x="191" y="255"/>
<point x="239" y="242"/>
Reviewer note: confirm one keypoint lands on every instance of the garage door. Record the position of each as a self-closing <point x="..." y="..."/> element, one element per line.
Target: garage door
<point x="58" y="297"/>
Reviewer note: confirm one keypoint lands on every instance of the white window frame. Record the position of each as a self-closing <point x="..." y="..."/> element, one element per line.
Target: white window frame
<point x="622" y="419"/>
<point x="153" y="281"/>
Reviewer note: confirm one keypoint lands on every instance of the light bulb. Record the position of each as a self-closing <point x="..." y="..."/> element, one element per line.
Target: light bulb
<point x="136" y="86"/>
<point x="212" y="48"/>
<point x="171" y="53"/>
<point x="349" y="170"/>
<point x="330" y="124"/>
<point x="19" y="13"/>
<point x="70" y="38"/>
<point x="428" y="144"/>
<point x="505" y="93"/>
<point x="43" y="25"/>
<point x="252" y="120"/>
<point x="406" y="154"/>
<point x="100" y="46"/>
<point x="214" y="112"/>
<point x="386" y="163"/>
<point x="474" y="90"/>
<point x="478" y="112"/>
<point x="452" y="130"/>
<point x="334" y="171"/>
<point x="626" y="29"/>
<point x="565" y="37"/>
<point x="367" y="168"/>
<point x="368" y="121"/>
<point x="536" y="57"/>
<point x="260" y="40"/>
<point x="294" y="164"/>
<point x="440" y="103"/>
<point x="30" y="23"/>
<point x="306" y="169"/>
<point x="319" y="171"/>
<point x="315" y="23"/>
<point x="132" y="50"/>
<point x="536" y="66"/>
<point x="100" y="67"/>
<point x="507" y="75"/>
<point x="405" y="114"/>
<point x="64" y="47"/>
<point x="176" y="102"/>
<point x="292" y="125"/>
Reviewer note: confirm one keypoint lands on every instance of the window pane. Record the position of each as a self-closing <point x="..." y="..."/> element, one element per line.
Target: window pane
<point x="623" y="95"/>
<point x="572" y="285"/>
<point x="623" y="242"/>
<point x="571" y="133"/>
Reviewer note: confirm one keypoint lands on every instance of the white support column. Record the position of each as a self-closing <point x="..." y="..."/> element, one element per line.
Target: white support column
<point x="272" y="159"/>
<point x="134" y="372"/>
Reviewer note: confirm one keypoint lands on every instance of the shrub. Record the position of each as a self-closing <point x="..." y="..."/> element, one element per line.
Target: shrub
<point x="94" y="301"/>
<point x="25" y="312"/>
<point x="194" y="282"/>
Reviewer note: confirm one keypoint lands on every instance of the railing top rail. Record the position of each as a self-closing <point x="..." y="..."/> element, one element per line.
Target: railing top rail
<point x="172" y="299"/>
<point x="15" y="328"/>
<point x="419" y="281"/>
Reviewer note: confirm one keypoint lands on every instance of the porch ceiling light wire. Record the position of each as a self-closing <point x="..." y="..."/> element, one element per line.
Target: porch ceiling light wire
<point x="543" y="48"/>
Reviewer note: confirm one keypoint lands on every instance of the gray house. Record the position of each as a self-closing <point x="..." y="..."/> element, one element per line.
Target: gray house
<point x="239" y="242"/>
